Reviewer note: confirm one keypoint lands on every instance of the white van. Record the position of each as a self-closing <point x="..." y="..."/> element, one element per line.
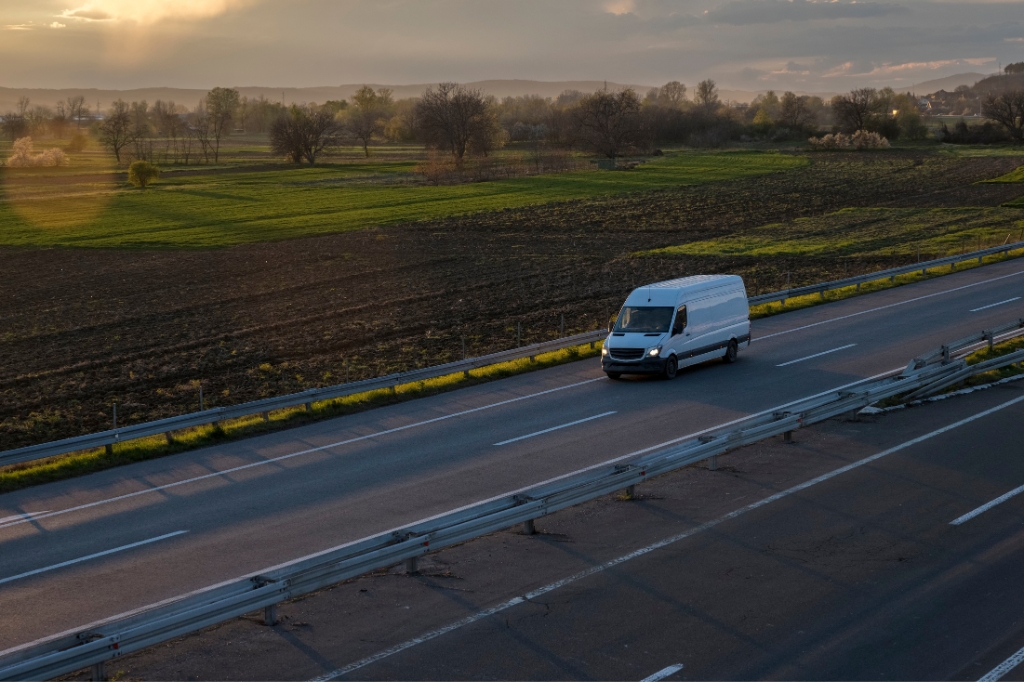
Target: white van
<point x="665" y="326"/>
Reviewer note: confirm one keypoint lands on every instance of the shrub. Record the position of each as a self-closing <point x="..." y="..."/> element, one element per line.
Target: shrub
<point x="77" y="144"/>
<point x="830" y="141"/>
<point x="861" y="139"/>
<point x="142" y="173"/>
<point x="24" y="156"/>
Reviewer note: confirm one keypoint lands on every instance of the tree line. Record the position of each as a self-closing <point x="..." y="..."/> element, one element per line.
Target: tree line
<point x="458" y="121"/>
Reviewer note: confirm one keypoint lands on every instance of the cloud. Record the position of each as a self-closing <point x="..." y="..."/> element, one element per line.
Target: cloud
<point x="890" y="69"/>
<point x="620" y="7"/>
<point x="1013" y="40"/>
<point x="57" y="24"/>
<point x="746" y="12"/>
<point x="18" y="27"/>
<point x="86" y="13"/>
<point x="150" y="11"/>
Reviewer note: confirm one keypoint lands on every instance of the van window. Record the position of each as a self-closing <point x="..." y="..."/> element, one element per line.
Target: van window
<point x="646" y="320"/>
<point x="680" y="323"/>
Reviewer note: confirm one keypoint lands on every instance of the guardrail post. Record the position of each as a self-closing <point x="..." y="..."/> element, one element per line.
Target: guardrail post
<point x="169" y="438"/>
<point x="265" y="415"/>
<point x="412" y="566"/>
<point x="109" y="449"/>
<point x="630" y="492"/>
<point x="787" y="437"/>
<point x="270" y="615"/>
<point x="713" y="463"/>
<point x="309" y="407"/>
<point x="529" y="527"/>
<point x="990" y="337"/>
<point x="99" y="672"/>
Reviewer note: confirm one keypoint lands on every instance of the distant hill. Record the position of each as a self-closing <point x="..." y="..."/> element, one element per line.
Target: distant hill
<point x="998" y="84"/>
<point x="949" y="83"/>
<point x="190" y="97"/>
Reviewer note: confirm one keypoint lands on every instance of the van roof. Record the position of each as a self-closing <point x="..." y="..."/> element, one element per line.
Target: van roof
<point x="667" y="292"/>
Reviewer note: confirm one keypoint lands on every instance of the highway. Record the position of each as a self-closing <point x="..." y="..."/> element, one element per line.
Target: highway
<point x="904" y="568"/>
<point x="83" y="550"/>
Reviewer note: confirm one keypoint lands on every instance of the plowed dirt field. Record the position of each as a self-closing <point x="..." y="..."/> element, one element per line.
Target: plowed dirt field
<point x="82" y="329"/>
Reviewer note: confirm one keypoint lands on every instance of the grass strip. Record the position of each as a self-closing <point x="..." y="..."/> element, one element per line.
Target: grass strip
<point x="810" y="300"/>
<point x="61" y="467"/>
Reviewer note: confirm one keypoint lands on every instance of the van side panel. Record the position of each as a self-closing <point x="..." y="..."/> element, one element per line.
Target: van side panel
<point x="713" y="321"/>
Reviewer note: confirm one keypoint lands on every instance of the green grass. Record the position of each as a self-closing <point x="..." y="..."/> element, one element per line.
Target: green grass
<point x="1016" y="176"/>
<point x="18" y="476"/>
<point x="234" y="208"/>
<point x="866" y="232"/>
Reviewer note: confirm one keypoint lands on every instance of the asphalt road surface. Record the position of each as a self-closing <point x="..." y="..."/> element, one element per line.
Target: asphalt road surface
<point x="87" y="549"/>
<point x="884" y="548"/>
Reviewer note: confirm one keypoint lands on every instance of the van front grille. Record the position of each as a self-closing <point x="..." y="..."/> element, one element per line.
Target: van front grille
<point x="627" y="353"/>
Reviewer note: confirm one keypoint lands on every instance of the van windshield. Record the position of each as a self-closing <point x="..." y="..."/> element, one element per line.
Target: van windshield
<point x="644" y="320"/>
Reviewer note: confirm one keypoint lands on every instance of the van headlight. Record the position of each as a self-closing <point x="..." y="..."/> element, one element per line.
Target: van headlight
<point x="654" y="352"/>
<point x="604" y="352"/>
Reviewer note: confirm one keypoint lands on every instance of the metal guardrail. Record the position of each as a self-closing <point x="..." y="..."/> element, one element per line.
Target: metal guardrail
<point x="307" y="398"/>
<point x="891" y="274"/>
<point x="115" y="638"/>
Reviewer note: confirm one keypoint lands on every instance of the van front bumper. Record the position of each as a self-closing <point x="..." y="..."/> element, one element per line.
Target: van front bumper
<point x="645" y="366"/>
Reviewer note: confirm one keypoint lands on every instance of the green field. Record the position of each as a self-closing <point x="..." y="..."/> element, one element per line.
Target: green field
<point x="850" y="232"/>
<point x="45" y="207"/>
<point x="1016" y="176"/>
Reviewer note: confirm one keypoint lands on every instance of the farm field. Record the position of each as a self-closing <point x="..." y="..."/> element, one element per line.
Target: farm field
<point x="83" y="328"/>
<point x="205" y="210"/>
<point x="867" y="232"/>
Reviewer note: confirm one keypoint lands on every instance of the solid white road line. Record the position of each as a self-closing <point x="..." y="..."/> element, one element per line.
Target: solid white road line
<point x="27" y="516"/>
<point x="993" y="305"/>
<point x="480" y="615"/>
<point x="636" y="453"/>
<point x="985" y="507"/>
<point x="555" y="428"/>
<point x="1006" y="666"/>
<point x="91" y="556"/>
<point x="817" y="355"/>
<point x="891" y="305"/>
<point x="210" y="588"/>
<point x="272" y="460"/>
<point x="662" y="674"/>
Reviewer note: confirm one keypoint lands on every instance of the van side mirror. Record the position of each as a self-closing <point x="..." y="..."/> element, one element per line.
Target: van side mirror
<point x="611" y="325"/>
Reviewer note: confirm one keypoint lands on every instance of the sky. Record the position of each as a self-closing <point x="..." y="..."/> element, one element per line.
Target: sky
<point x="827" y="46"/>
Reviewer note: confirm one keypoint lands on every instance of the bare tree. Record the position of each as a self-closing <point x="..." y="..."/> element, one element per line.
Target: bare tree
<point x="117" y="130"/>
<point x="76" y="109"/>
<point x="672" y="94"/>
<point x="59" y="122"/>
<point x="304" y="133"/>
<point x="201" y="126"/>
<point x="221" y="104"/>
<point x="14" y="126"/>
<point x="1007" y="110"/>
<point x="794" y="111"/>
<point x="706" y="95"/>
<point x="609" y="123"/>
<point x="370" y="111"/>
<point x="853" y="111"/>
<point x="23" y="104"/>
<point x="450" y="116"/>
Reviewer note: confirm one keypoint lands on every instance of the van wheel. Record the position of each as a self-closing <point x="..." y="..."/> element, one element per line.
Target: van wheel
<point x="671" y="367"/>
<point x="614" y="376"/>
<point x="731" y="352"/>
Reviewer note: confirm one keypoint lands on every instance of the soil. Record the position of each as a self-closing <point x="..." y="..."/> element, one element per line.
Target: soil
<point x="83" y="329"/>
